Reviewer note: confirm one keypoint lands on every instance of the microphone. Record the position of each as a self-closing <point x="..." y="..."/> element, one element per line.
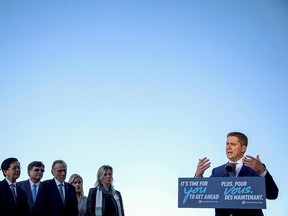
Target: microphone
<point x="230" y="167"/>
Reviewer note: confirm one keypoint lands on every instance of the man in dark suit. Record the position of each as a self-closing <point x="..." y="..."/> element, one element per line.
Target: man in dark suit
<point x="236" y="146"/>
<point x="56" y="197"/>
<point x="35" y="172"/>
<point x="13" y="200"/>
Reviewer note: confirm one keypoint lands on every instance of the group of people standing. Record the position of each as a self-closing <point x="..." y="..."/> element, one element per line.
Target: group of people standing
<point x="55" y="197"/>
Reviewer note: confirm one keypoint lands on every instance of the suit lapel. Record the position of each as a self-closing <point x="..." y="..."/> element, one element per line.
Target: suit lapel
<point x="224" y="172"/>
<point x="66" y="192"/>
<point x="8" y="191"/>
<point x="56" y="190"/>
<point x="243" y="171"/>
<point x="28" y="188"/>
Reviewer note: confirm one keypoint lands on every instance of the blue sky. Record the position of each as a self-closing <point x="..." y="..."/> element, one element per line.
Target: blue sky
<point x="148" y="87"/>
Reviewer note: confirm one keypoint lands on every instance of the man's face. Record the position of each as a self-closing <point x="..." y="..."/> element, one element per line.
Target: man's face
<point x="36" y="173"/>
<point x="13" y="172"/>
<point x="59" y="172"/>
<point x="234" y="150"/>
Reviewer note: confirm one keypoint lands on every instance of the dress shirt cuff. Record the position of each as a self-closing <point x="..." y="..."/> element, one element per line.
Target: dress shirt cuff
<point x="197" y="176"/>
<point x="263" y="174"/>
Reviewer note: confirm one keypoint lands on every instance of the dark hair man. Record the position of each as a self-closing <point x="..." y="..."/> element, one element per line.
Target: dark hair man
<point x="13" y="200"/>
<point x="247" y="165"/>
<point x="35" y="172"/>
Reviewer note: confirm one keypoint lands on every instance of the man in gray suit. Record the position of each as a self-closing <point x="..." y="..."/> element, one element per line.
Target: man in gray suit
<point x="35" y="172"/>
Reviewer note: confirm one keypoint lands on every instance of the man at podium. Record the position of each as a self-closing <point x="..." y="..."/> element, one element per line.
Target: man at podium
<point x="241" y="166"/>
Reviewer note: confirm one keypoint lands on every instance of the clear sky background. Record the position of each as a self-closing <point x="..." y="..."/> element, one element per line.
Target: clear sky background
<point x="148" y="87"/>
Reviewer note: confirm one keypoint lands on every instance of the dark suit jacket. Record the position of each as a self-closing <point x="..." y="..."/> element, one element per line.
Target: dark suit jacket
<point x="91" y="201"/>
<point x="25" y="185"/>
<point x="49" y="202"/>
<point x="8" y="207"/>
<point x="270" y="185"/>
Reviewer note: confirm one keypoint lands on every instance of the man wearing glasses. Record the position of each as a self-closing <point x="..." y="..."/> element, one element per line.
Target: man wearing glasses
<point x="35" y="172"/>
<point x="13" y="200"/>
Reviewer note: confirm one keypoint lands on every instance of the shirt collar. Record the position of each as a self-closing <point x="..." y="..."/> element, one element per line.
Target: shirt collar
<point x="9" y="182"/>
<point x="239" y="165"/>
<point x="240" y="161"/>
<point x="57" y="182"/>
<point x="32" y="183"/>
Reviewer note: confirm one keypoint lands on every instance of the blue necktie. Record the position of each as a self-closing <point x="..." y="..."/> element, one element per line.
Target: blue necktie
<point x="233" y="173"/>
<point x="34" y="192"/>
<point x="13" y="188"/>
<point x="61" y="192"/>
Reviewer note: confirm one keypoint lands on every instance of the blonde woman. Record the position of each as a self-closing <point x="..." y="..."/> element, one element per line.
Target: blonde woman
<point x="103" y="199"/>
<point x="77" y="181"/>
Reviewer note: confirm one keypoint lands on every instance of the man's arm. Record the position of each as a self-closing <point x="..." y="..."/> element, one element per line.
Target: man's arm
<point x="256" y="164"/>
<point x="271" y="187"/>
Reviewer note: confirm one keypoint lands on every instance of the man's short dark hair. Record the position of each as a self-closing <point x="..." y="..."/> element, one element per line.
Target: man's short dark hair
<point x="35" y="163"/>
<point x="241" y="137"/>
<point x="6" y="164"/>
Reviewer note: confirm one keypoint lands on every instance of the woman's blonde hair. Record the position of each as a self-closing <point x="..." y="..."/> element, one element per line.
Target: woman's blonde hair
<point x="71" y="179"/>
<point x="101" y="172"/>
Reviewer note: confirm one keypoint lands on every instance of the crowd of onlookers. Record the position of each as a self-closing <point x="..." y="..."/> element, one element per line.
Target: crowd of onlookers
<point x="55" y="197"/>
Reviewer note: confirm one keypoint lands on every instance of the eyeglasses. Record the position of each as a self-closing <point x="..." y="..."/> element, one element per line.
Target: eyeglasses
<point x="37" y="170"/>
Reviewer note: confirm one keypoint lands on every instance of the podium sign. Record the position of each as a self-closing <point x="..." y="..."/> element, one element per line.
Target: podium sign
<point x="222" y="192"/>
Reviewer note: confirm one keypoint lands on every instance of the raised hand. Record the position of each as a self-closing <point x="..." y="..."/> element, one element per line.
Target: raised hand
<point x="254" y="163"/>
<point x="203" y="164"/>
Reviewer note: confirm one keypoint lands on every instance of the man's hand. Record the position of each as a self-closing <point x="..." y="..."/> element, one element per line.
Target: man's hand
<point x="254" y="163"/>
<point x="203" y="164"/>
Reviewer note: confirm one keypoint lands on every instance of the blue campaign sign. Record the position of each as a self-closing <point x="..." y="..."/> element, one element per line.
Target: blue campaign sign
<point x="222" y="192"/>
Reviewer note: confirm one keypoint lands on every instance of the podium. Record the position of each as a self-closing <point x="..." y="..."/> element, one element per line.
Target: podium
<point x="222" y="192"/>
